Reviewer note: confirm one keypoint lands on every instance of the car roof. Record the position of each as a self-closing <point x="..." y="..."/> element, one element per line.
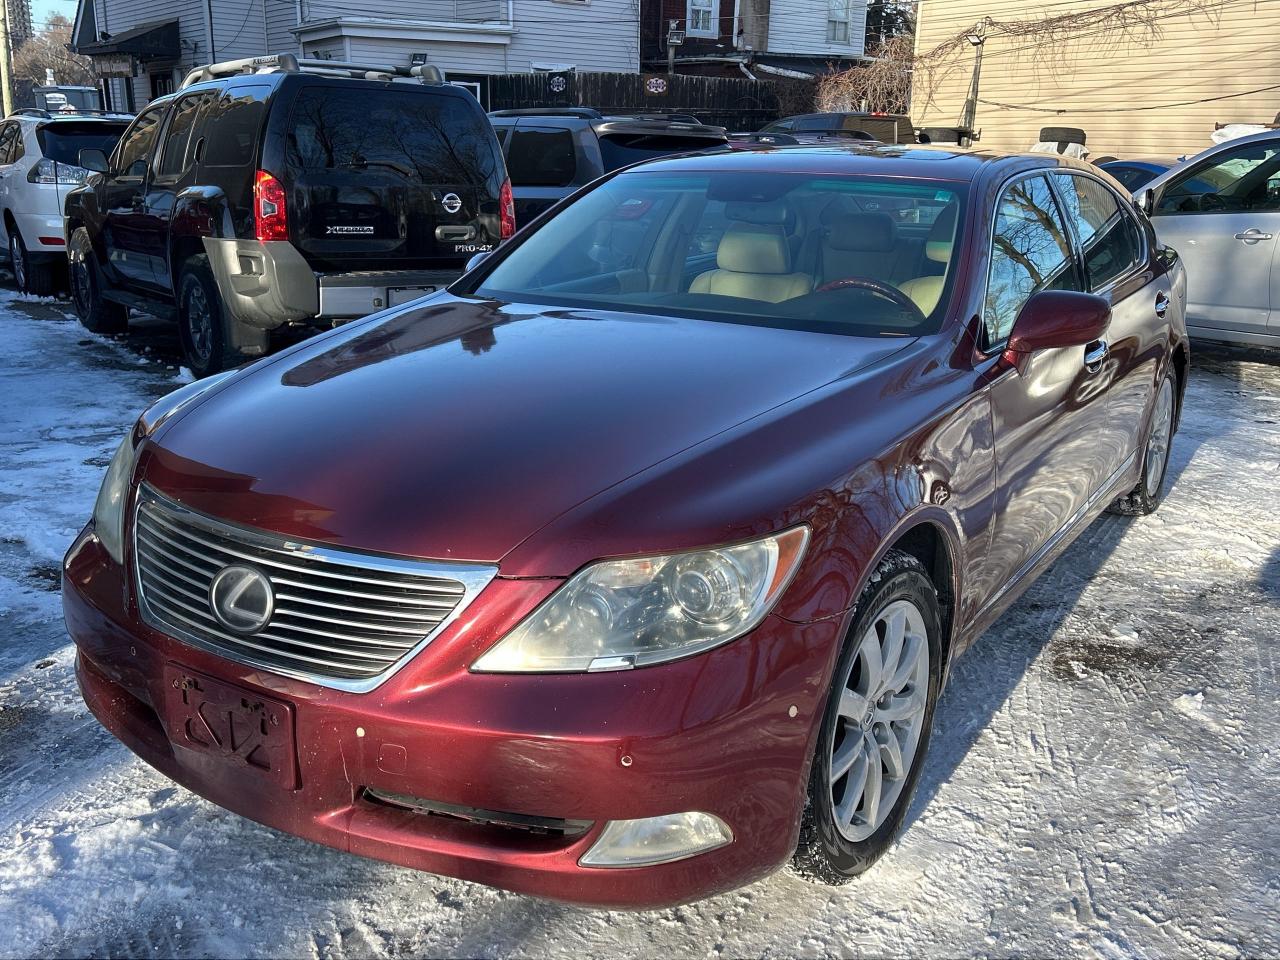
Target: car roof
<point x="885" y="160"/>
<point x="1162" y="162"/>
<point x="1266" y="136"/>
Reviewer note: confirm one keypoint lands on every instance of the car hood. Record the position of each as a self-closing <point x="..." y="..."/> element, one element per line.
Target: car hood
<point x="457" y="429"/>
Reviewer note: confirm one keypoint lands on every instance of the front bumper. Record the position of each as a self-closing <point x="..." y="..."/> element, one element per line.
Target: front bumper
<point x="712" y="733"/>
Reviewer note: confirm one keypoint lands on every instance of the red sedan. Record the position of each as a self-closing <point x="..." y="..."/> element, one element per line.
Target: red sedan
<point x="631" y="567"/>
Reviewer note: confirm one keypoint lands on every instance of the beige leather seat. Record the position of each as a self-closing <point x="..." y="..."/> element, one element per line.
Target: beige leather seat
<point x="925" y="291"/>
<point x="753" y="262"/>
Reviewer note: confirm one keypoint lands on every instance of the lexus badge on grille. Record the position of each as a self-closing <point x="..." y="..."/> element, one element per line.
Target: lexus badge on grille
<point x="241" y="598"/>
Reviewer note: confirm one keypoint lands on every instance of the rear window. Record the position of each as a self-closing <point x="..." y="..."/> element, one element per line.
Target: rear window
<point x="541" y="158"/>
<point x="62" y="142"/>
<point x="618" y="150"/>
<point x="421" y="135"/>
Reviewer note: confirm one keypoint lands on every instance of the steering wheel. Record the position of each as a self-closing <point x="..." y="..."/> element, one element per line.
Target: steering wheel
<point x="878" y="287"/>
<point x="1210" y="202"/>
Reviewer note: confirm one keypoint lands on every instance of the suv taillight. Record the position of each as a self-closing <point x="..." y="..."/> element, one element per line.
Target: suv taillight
<point x="507" y="206"/>
<point x="270" y="218"/>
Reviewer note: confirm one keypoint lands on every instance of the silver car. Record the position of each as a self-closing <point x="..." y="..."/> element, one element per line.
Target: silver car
<point x="1221" y="211"/>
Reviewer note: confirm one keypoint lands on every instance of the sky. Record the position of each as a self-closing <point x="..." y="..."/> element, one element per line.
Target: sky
<point x="42" y="10"/>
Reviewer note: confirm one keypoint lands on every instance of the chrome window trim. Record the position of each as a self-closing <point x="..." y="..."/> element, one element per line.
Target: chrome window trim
<point x="474" y="577"/>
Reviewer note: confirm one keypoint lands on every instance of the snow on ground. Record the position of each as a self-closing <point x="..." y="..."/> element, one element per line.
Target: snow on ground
<point x="1102" y="782"/>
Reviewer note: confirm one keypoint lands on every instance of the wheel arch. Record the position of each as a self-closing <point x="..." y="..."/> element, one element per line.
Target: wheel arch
<point x="1181" y="361"/>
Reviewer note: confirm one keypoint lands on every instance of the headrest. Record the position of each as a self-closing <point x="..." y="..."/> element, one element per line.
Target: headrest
<point x="753" y="248"/>
<point x="942" y="235"/>
<point x="746" y="211"/>
<point x="863" y="232"/>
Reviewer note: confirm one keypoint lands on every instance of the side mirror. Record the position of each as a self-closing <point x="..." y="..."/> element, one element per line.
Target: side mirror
<point x="93" y="159"/>
<point x="478" y="259"/>
<point x="1145" y="200"/>
<point x="1059" y="318"/>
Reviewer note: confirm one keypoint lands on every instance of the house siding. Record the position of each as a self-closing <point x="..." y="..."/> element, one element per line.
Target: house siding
<point x="800" y="27"/>
<point x="1098" y="84"/>
<point x="602" y="36"/>
<point x="282" y="17"/>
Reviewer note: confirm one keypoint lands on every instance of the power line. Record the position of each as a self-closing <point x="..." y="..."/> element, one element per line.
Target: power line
<point x="1156" y="106"/>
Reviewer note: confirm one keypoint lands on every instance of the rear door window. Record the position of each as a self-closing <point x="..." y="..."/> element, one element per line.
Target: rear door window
<point x="541" y="157"/>
<point x="62" y="142"/>
<point x="230" y="126"/>
<point x="1031" y="252"/>
<point x="9" y="139"/>
<point x="175" y="155"/>
<point x="420" y="135"/>
<point x="1108" y="235"/>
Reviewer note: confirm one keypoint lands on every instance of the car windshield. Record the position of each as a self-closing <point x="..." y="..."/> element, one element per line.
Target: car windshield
<point x="849" y="255"/>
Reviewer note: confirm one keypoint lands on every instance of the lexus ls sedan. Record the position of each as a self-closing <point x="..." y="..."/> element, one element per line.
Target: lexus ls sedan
<point x="631" y="566"/>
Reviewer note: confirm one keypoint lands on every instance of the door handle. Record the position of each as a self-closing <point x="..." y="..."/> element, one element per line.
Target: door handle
<point x="1162" y="304"/>
<point x="1094" y="354"/>
<point x="1253" y="235"/>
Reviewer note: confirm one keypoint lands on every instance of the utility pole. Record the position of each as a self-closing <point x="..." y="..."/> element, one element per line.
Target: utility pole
<point x="6" y="90"/>
<point x="977" y="37"/>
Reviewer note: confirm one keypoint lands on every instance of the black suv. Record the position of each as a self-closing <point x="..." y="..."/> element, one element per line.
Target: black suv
<point x="276" y="191"/>
<point x="552" y="152"/>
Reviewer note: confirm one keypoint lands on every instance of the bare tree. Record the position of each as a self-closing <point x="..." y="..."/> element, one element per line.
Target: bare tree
<point x="47" y="50"/>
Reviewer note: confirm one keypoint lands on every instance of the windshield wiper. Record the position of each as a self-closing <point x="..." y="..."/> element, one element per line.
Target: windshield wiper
<point x="399" y="168"/>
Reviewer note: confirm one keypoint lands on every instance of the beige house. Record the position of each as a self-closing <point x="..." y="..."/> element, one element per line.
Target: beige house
<point x="1131" y="97"/>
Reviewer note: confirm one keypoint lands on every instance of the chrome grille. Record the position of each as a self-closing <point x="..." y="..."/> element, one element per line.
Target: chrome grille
<point x="341" y="619"/>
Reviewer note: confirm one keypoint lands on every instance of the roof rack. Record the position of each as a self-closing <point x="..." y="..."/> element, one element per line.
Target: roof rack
<point x="56" y="114"/>
<point x="582" y="113"/>
<point x="288" y="63"/>
<point x="659" y="115"/>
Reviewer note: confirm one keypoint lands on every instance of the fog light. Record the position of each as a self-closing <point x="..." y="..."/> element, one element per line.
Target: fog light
<point x="638" y="843"/>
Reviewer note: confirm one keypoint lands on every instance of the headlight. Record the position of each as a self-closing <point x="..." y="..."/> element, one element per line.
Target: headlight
<point x="113" y="497"/>
<point x="619" y="614"/>
<point x="108" y="511"/>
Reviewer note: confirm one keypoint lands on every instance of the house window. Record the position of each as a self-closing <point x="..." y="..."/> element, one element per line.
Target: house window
<point x="161" y="84"/>
<point x="838" y="21"/>
<point x="703" y="18"/>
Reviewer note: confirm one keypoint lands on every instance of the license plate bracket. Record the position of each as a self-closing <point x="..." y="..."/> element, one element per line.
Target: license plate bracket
<point x="399" y="295"/>
<point x="239" y="726"/>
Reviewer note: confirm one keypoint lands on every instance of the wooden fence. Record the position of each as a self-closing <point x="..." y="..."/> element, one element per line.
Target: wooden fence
<point x="727" y="102"/>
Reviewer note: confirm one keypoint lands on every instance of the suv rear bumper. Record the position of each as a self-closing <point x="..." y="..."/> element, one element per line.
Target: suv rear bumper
<point x="265" y="284"/>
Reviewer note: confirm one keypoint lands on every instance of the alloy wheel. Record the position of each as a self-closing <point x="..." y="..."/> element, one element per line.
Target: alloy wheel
<point x="19" y="264"/>
<point x="199" y="323"/>
<point x="880" y="717"/>
<point x="81" y="286"/>
<point x="1160" y="438"/>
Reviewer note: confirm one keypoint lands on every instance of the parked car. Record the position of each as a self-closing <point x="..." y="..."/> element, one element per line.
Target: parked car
<point x="552" y="152"/>
<point x="882" y="127"/>
<point x="625" y="572"/>
<point x="38" y="165"/>
<point x="1221" y="211"/>
<point x="275" y="191"/>
<point x="1136" y="172"/>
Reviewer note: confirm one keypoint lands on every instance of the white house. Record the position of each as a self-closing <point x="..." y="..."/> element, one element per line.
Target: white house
<point x="145" y="46"/>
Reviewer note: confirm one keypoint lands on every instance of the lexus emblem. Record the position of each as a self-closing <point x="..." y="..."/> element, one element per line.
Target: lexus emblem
<point x="451" y="202"/>
<point x="241" y="598"/>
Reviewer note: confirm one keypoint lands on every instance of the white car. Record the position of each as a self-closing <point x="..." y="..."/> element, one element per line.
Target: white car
<point x="1221" y="211"/>
<point x="39" y="163"/>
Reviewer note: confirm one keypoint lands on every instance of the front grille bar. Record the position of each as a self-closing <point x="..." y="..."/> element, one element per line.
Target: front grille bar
<point x="342" y="619"/>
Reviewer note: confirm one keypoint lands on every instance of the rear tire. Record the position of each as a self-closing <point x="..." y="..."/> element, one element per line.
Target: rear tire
<point x="204" y="327"/>
<point x="878" y="719"/>
<point x="31" y="276"/>
<point x="96" y="313"/>
<point x="1062" y="135"/>
<point x="1147" y="495"/>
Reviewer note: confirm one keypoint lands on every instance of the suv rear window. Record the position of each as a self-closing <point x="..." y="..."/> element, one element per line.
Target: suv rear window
<point x="541" y="158"/>
<point x="618" y="150"/>
<point x="427" y="136"/>
<point x="62" y="142"/>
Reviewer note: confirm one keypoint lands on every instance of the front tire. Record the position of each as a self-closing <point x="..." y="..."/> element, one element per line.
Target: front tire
<point x="875" y="732"/>
<point x="96" y="313"/>
<point x="1147" y="495"/>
